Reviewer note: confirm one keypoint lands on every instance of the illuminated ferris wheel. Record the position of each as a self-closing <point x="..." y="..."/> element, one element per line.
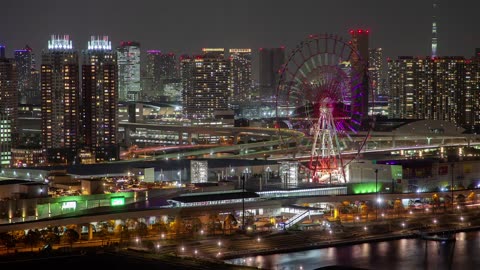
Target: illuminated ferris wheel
<point x="322" y="92"/>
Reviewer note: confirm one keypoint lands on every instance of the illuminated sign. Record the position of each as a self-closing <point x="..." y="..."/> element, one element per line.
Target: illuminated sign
<point x="69" y="205"/>
<point x="60" y="43"/>
<point x="240" y="50"/>
<point x="117" y="201"/>
<point x="97" y="43"/>
<point x="213" y="49"/>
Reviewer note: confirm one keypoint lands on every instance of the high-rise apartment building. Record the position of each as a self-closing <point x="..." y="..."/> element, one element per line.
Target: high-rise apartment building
<point x="60" y="100"/>
<point x="207" y="90"/>
<point x="186" y="80"/>
<point x="26" y="70"/>
<point x="8" y="107"/>
<point x="375" y="71"/>
<point x="128" y="57"/>
<point x="271" y="61"/>
<point x="240" y="81"/>
<point x="441" y="88"/>
<point x="99" y="99"/>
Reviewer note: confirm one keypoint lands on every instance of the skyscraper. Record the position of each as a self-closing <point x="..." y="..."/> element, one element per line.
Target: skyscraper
<point x="25" y="62"/>
<point x="128" y="57"/>
<point x="375" y="71"/>
<point x="271" y="61"/>
<point x="163" y="69"/>
<point x="208" y="90"/>
<point x="99" y="99"/>
<point x="8" y="107"/>
<point x="360" y="95"/>
<point x="240" y="81"/>
<point x="186" y="80"/>
<point x="60" y="97"/>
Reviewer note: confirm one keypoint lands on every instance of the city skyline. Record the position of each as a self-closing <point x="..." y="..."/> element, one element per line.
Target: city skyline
<point x="186" y="27"/>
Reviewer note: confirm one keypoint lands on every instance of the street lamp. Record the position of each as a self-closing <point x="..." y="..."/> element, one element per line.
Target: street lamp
<point x="451" y="185"/>
<point x="243" y="197"/>
<point x="376" y="190"/>
<point x="179" y="173"/>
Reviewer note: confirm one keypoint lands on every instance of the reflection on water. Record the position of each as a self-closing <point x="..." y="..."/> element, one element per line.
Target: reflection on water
<point x="410" y="254"/>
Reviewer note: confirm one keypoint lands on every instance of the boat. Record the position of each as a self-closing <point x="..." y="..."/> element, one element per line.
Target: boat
<point x="443" y="237"/>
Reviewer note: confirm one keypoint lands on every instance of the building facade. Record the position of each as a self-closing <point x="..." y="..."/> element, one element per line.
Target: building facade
<point x="270" y="64"/>
<point x="8" y="107"/>
<point x="129" y="84"/>
<point x="60" y="100"/>
<point x="240" y="81"/>
<point x="359" y="61"/>
<point x="99" y="100"/>
<point x="26" y="71"/>
<point x="207" y="88"/>
<point x="441" y="88"/>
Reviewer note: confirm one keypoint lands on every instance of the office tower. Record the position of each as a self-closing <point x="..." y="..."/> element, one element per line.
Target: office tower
<point x="59" y="76"/>
<point x="99" y="99"/>
<point x="27" y="74"/>
<point x="375" y="71"/>
<point x="163" y="69"/>
<point x="168" y="66"/>
<point x="208" y="91"/>
<point x="434" y="30"/>
<point x="441" y="88"/>
<point x="271" y="61"/>
<point x="128" y="58"/>
<point x="8" y="107"/>
<point x="240" y="74"/>
<point x="359" y="60"/>
<point x="151" y="86"/>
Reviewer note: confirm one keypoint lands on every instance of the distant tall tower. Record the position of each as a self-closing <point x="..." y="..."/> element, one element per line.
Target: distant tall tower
<point x="208" y="91"/>
<point x="128" y="55"/>
<point x="25" y="62"/>
<point x="99" y="99"/>
<point x="59" y="75"/>
<point x="360" y="42"/>
<point x="434" y="30"/>
<point x="240" y="74"/>
<point x="8" y="107"/>
<point x="271" y="61"/>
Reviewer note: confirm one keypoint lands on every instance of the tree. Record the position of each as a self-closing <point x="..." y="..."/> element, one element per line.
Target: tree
<point x="141" y="229"/>
<point x="32" y="238"/>
<point x="103" y="232"/>
<point x="124" y="232"/>
<point x="8" y="240"/>
<point x="177" y="225"/>
<point x="71" y="236"/>
<point x="398" y="206"/>
<point x="229" y="223"/>
<point x="472" y="197"/>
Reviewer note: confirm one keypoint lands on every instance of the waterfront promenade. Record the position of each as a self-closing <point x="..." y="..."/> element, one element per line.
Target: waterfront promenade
<point x="212" y="251"/>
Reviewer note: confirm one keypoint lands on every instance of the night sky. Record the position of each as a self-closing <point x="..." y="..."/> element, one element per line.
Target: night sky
<point x="185" y="26"/>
